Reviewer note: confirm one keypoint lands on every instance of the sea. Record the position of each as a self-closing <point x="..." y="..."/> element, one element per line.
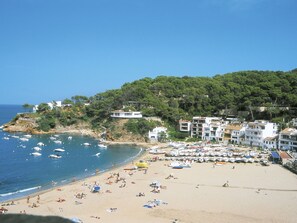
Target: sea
<point x="22" y="173"/>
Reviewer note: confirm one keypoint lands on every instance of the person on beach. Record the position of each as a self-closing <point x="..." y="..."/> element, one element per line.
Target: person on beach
<point x="28" y="199"/>
<point x="38" y="199"/>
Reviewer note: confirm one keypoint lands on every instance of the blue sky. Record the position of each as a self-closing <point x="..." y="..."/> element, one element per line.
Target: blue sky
<point x="55" y="49"/>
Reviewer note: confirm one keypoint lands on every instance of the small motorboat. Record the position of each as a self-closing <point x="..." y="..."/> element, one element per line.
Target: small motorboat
<point x="36" y="148"/>
<point x="24" y="139"/>
<point x="58" y="141"/>
<point x="59" y="150"/>
<point x="40" y="144"/>
<point x="55" y="156"/>
<point x="28" y="136"/>
<point x="36" y="154"/>
<point x="86" y="144"/>
<point x="102" y="146"/>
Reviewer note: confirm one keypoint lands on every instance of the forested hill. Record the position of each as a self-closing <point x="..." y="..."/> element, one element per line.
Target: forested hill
<point x="173" y="98"/>
<point x="248" y="95"/>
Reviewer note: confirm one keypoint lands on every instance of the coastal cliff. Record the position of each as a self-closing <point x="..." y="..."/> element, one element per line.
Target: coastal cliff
<point x="115" y="132"/>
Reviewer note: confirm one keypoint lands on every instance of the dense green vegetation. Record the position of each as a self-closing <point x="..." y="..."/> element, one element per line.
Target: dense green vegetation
<point x="140" y="126"/>
<point x="239" y="94"/>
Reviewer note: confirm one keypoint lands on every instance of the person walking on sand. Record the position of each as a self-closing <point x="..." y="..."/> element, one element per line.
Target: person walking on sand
<point x="28" y="199"/>
<point x="38" y="199"/>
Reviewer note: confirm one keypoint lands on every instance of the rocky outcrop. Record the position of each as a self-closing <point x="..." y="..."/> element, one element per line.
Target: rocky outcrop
<point x="115" y="133"/>
<point x="22" y="124"/>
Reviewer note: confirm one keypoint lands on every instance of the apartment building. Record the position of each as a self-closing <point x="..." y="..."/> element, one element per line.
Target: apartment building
<point x="257" y="131"/>
<point x="234" y="133"/>
<point x="208" y="128"/>
<point x="288" y="139"/>
<point x="185" y="125"/>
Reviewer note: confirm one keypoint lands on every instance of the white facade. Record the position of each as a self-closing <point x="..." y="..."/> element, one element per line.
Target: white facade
<point x="270" y="142"/>
<point x="154" y="135"/>
<point x="184" y="126"/>
<point x="208" y="128"/>
<point x="50" y="104"/>
<point x="257" y="131"/>
<point x="234" y="133"/>
<point x="123" y="114"/>
<point x="288" y="139"/>
<point x="213" y="132"/>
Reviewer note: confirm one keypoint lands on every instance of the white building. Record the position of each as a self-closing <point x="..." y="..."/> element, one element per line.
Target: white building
<point x="270" y="142"/>
<point x="257" y="131"/>
<point x="234" y="133"/>
<point x="52" y="105"/>
<point x="288" y="139"/>
<point x="124" y="114"/>
<point x="208" y="128"/>
<point x="155" y="134"/>
<point x="184" y="126"/>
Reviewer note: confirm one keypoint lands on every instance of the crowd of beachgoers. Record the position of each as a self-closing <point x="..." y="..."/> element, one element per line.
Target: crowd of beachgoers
<point x="154" y="188"/>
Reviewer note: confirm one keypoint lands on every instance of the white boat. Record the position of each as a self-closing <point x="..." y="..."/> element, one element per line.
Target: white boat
<point x="16" y="137"/>
<point x="232" y="160"/>
<point x="54" y="156"/>
<point x="69" y="137"/>
<point x="6" y="138"/>
<point x="59" y="150"/>
<point x="176" y="165"/>
<point x="36" y="154"/>
<point x="52" y="138"/>
<point x="200" y="159"/>
<point x="28" y="136"/>
<point x="102" y="146"/>
<point x="97" y="154"/>
<point x="250" y="160"/>
<point x="58" y="142"/>
<point x="36" y="148"/>
<point x="24" y="139"/>
<point x="40" y="144"/>
<point x="156" y="151"/>
<point x="86" y="144"/>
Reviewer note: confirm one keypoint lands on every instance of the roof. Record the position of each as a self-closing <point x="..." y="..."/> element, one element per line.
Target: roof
<point x="234" y="127"/>
<point x="290" y="131"/>
<point x="275" y="155"/>
<point x="271" y="138"/>
<point x="284" y="155"/>
<point x="184" y="121"/>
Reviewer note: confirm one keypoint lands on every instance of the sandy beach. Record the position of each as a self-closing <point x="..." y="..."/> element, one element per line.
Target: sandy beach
<point x="255" y="194"/>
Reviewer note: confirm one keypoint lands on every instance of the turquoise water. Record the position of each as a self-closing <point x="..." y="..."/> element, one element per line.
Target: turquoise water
<point x="21" y="173"/>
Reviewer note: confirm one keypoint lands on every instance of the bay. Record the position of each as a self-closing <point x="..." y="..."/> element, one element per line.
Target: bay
<point x="21" y="173"/>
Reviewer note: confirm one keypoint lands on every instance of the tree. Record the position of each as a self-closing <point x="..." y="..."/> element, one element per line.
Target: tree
<point x="162" y="137"/>
<point x="43" y="107"/>
<point x="28" y="107"/>
<point x="67" y="101"/>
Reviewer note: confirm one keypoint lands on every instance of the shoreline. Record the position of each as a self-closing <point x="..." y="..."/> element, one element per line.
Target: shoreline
<point x="142" y="153"/>
<point x="253" y="191"/>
